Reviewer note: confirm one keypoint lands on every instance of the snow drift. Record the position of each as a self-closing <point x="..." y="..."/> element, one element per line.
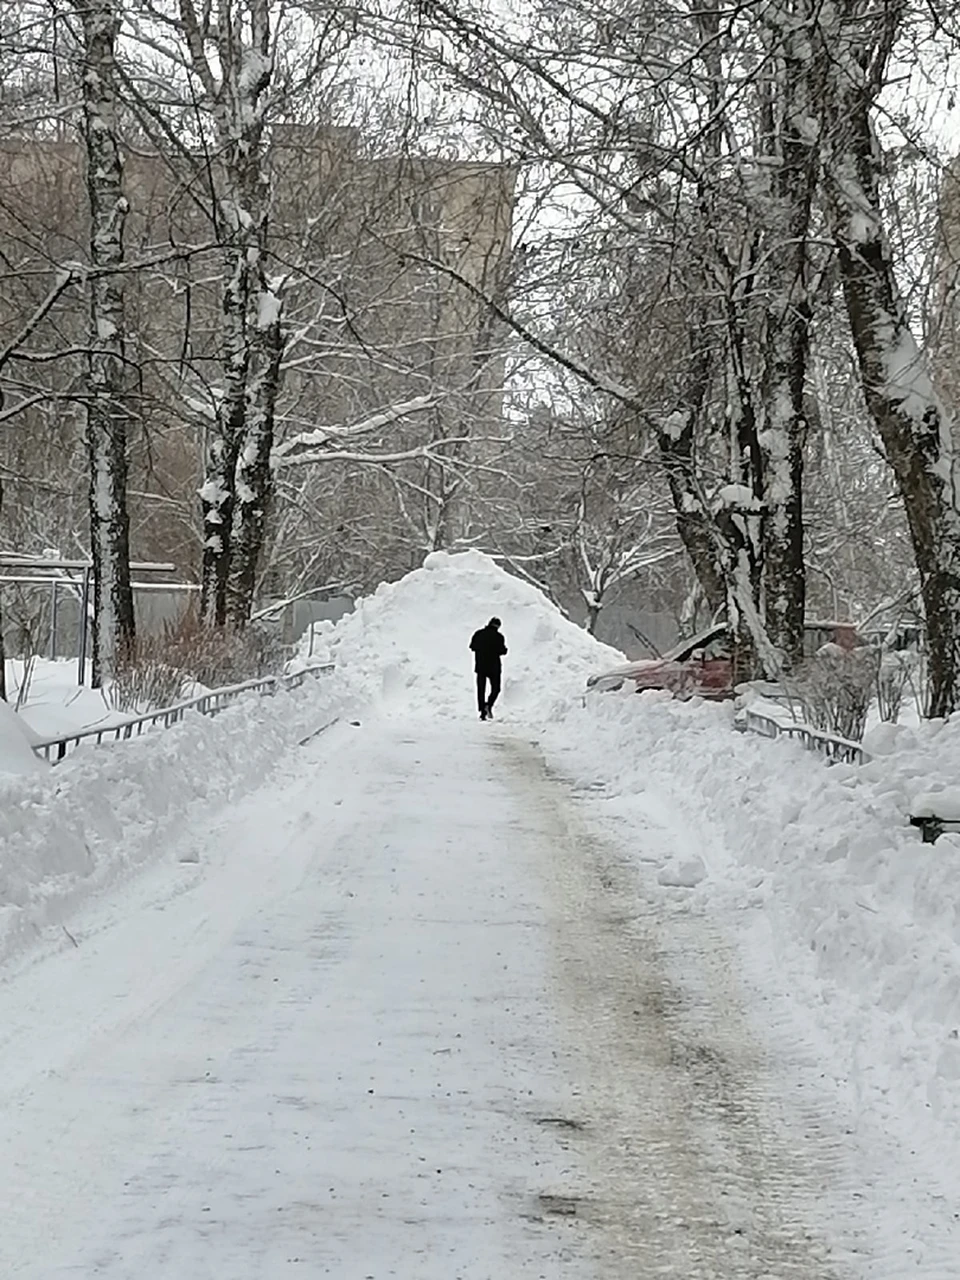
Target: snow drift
<point x="67" y="832"/>
<point x="16" y="744"/>
<point x="407" y="645"/>
<point x="835" y="897"/>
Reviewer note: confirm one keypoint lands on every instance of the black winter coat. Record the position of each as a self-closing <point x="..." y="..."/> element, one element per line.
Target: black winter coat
<point x="488" y="648"/>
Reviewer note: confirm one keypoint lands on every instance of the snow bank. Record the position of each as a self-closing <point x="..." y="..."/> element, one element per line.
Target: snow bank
<point x="16" y="738"/>
<point x="821" y="859"/>
<point x="67" y="832"/>
<point x="55" y="704"/>
<point x="408" y="643"/>
<point x="820" y="865"/>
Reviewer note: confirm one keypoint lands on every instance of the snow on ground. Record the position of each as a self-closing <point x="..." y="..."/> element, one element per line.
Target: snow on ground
<point x="838" y="903"/>
<point x="407" y="644"/>
<point x="792" y="930"/>
<point x="16" y="744"/>
<point x="404" y="1019"/>
<point x="55" y="704"/>
<point x="72" y="830"/>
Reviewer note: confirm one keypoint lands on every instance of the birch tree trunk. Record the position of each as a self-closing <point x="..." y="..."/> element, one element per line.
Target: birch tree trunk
<point x="231" y="57"/>
<point x="785" y="345"/>
<point x="224" y="437"/>
<point x="254" y="485"/>
<point x="912" y="422"/>
<point x="106" y="415"/>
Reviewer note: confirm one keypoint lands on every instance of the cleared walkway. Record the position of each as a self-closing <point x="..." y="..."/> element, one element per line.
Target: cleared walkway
<point x="404" y="1017"/>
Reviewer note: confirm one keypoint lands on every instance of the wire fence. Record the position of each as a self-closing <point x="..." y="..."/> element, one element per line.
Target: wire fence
<point x="207" y="704"/>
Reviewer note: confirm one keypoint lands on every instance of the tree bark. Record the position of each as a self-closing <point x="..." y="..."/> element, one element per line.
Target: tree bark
<point x="912" y="423"/>
<point x="235" y="86"/>
<point x="218" y="493"/>
<point x="106" y="415"/>
<point x="785" y="344"/>
<point x="254" y="485"/>
<point x="722" y="549"/>
<point x="694" y="520"/>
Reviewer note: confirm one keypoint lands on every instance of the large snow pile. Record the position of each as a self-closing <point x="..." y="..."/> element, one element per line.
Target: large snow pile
<point x="408" y="644"/>
<point x="821" y="867"/>
<point x="67" y="832"/>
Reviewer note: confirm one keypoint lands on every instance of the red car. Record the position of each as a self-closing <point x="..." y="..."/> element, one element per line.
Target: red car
<point x="703" y="665"/>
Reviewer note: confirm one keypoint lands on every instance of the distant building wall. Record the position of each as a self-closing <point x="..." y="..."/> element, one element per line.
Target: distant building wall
<point x="371" y="322"/>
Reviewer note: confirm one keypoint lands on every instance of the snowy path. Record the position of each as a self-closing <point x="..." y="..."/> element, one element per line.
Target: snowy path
<point x="433" y="1032"/>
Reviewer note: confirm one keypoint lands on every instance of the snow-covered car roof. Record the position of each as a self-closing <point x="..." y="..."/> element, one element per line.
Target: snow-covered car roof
<point x="614" y="676"/>
<point x="684" y="648"/>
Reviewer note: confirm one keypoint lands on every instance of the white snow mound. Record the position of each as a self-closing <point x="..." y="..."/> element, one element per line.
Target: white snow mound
<point x="16" y="739"/>
<point x="407" y="645"/>
<point x="683" y="873"/>
<point x="66" y="833"/>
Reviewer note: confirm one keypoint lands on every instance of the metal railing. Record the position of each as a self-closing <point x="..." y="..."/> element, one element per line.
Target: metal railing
<point x="833" y="748"/>
<point x="207" y="704"/>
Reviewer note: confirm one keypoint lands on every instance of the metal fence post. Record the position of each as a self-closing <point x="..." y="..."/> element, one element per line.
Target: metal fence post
<point x="82" y="638"/>
<point x="53" y="622"/>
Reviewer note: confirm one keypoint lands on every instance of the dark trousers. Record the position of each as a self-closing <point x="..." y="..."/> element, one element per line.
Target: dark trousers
<point x="485" y="702"/>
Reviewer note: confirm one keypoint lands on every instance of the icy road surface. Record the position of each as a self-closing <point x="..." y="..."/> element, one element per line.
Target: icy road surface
<point x="403" y="1014"/>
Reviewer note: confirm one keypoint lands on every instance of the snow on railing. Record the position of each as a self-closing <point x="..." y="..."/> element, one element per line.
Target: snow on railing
<point x="207" y="704"/>
<point x="833" y="748"/>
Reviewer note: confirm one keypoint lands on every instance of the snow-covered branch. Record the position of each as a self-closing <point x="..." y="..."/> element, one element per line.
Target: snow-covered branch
<point x="289" y="451"/>
<point x="433" y="450"/>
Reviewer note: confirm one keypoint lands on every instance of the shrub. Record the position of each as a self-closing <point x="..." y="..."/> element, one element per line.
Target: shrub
<point x="145" y="679"/>
<point x="836" y="688"/>
<point x="165" y="664"/>
<point x="894" y="673"/>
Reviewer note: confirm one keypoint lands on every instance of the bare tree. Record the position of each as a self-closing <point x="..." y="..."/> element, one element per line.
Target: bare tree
<point x="231" y="55"/>
<point x="615" y="546"/>
<point x="107" y="413"/>
<point x="855" y="46"/>
<point x="704" y="213"/>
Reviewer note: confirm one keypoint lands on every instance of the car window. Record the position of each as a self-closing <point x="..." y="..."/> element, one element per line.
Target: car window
<point x="694" y="647"/>
<point x="719" y="647"/>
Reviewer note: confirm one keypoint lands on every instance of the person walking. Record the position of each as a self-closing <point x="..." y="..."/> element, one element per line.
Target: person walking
<point x="488" y="648"/>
